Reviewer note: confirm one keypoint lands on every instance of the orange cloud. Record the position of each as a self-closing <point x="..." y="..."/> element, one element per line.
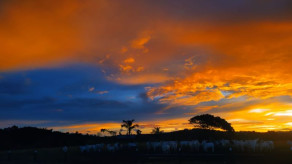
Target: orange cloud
<point x="194" y="60"/>
<point x="273" y="116"/>
<point x="129" y="60"/>
<point x="250" y="118"/>
<point x="32" y="37"/>
<point x="140" y="43"/>
<point x="141" y="79"/>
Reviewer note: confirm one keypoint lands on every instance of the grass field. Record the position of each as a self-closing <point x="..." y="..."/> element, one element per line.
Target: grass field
<point x="280" y="155"/>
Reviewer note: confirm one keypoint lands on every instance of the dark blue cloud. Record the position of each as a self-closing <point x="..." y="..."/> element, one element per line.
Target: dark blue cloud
<point x="62" y="96"/>
<point x="225" y="10"/>
<point x="13" y="85"/>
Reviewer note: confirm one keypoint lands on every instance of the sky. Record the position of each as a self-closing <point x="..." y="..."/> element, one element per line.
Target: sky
<point x="75" y="65"/>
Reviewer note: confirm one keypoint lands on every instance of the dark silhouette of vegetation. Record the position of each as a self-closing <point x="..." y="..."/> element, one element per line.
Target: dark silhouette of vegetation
<point x="156" y="130"/>
<point x="103" y="130"/>
<point x="120" y="132"/>
<point x="208" y="121"/>
<point x="138" y="132"/>
<point x="128" y="124"/>
<point x="112" y="133"/>
<point x="30" y="137"/>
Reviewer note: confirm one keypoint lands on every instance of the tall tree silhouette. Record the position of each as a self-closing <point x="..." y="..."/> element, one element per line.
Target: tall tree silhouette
<point x="208" y="121"/>
<point x="128" y="124"/>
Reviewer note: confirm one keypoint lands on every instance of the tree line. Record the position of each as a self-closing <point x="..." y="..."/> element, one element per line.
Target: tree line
<point x="204" y="121"/>
<point x="206" y="128"/>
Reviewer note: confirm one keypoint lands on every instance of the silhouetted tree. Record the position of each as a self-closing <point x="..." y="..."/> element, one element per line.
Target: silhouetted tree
<point x="98" y="134"/>
<point x="208" y="121"/>
<point x="14" y="127"/>
<point x="103" y="130"/>
<point x="138" y="132"/>
<point x="120" y="132"/>
<point x="156" y="130"/>
<point x="112" y="133"/>
<point x="128" y="124"/>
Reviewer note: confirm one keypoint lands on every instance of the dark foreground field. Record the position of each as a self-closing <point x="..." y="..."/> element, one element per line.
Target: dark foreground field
<point x="57" y="156"/>
<point x="49" y="148"/>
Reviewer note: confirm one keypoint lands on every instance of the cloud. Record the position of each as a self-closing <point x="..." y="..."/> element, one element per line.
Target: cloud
<point x="91" y="89"/>
<point x="129" y="60"/>
<point x="61" y="96"/>
<point x="140" y="43"/>
<point x="191" y="56"/>
<point x="102" y="92"/>
<point x="141" y="79"/>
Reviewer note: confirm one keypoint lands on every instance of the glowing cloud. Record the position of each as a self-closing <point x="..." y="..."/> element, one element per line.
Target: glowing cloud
<point x="186" y="54"/>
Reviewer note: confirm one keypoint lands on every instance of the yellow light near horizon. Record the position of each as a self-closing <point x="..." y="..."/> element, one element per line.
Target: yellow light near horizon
<point x="258" y="110"/>
<point x="284" y="113"/>
<point x="289" y="123"/>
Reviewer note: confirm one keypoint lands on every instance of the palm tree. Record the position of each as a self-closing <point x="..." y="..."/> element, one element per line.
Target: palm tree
<point x="128" y="124"/>
<point x="156" y="130"/>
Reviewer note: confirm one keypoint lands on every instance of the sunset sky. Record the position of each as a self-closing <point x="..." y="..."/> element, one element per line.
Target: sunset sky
<point x="83" y="65"/>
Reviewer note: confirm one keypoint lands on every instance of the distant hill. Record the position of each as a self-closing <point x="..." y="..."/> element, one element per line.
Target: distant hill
<point x="31" y="137"/>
